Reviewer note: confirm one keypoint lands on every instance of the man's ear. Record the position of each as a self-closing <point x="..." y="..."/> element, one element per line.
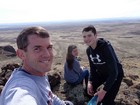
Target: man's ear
<point x="20" y="54"/>
<point x="95" y="35"/>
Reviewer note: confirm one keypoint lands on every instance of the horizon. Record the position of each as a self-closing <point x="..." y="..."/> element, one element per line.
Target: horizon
<point x="75" y="21"/>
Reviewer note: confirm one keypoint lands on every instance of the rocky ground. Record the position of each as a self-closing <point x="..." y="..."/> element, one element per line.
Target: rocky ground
<point x="124" y="36"/>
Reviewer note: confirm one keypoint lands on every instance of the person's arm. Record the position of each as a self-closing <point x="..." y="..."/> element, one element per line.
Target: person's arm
<point x="92" y="73"/>
<point x="21" y="94"/>
<point x="57" y="101"/>
<point x="76" y="67"/>
<point x="92" y="67"/>
<point x="111" y="61"/>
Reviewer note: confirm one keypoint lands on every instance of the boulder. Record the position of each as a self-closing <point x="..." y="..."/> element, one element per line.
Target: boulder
<point x="5" y="73"/>
<point x="54" y="79"/>
<point x="7" y="50"/>
<point x="128" y="81"/>
<point x="75" y="93"/>
<point x="1" y="87"/>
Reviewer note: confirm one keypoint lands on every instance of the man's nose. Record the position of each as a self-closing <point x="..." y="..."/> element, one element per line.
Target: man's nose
<point x="46" y="52"/>
<point x="86" y="38"/>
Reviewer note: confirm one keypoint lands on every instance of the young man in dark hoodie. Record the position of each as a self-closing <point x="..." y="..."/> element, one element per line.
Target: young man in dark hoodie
<point x="105" y="68"/>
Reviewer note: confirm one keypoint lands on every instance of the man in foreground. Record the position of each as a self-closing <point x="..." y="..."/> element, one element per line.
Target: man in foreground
<point x="28" y="85"/>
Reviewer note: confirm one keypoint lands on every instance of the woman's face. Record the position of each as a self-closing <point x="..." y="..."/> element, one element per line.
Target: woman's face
<point x="75" y="52"/>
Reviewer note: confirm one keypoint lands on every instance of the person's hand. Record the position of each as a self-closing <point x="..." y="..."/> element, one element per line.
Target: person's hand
<point x="101" y="93"/>
<point x="82" y="67"/>
<point x="90" y="89"/>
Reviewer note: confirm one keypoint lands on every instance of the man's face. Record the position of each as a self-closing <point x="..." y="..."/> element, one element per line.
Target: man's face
<point x="39" y="55"/>
<point x="89" y="38"/>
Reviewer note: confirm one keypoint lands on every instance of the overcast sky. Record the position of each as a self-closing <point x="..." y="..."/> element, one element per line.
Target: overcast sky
<point x="13" y="11"/>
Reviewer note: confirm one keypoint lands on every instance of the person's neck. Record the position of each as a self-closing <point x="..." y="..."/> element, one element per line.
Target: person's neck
<point x="32" y="72"/>
<point x="94" y="44"/>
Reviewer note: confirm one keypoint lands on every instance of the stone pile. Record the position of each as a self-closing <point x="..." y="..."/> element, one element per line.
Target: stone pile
<point x="129" y="93"/>
<point x="75" y="93"/>
<point x="5" y="73"/>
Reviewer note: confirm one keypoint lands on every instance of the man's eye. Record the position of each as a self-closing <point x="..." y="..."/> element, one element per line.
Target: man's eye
<point x="37" y="49"/>
<point x="50" y="47"/>
<point x="84" y="36"/>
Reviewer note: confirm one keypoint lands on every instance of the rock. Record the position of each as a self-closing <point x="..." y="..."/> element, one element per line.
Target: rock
<point x="137" y="86"/>
<point x="8" y="50"/>
<point x="8" y="74"/>
<point x="133" y="77"/>
<point x="10" y="66"/>
<point x="8" y="69"/>
<point x="1" y="87"/>
<point x="137" y="101"/>
<point x="54" y="79"/>
<point x="2" y="81"/>
<point x="2" y="73"/>
<point x="5" y="73"/>
<point x="129" y="82"/>
<point x="75" y="93"/>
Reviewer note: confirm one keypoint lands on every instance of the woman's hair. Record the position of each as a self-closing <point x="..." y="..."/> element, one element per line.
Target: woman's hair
<point x="70" y="57"/>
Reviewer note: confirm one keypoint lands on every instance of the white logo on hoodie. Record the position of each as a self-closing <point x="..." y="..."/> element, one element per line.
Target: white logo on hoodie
<point x="96" y="59"/>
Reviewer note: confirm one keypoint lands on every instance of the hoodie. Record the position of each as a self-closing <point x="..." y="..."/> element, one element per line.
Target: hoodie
<point x="104" y="63"/>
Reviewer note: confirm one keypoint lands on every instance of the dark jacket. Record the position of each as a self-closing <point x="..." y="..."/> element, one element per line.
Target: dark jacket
<point x="104" y="63"/>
